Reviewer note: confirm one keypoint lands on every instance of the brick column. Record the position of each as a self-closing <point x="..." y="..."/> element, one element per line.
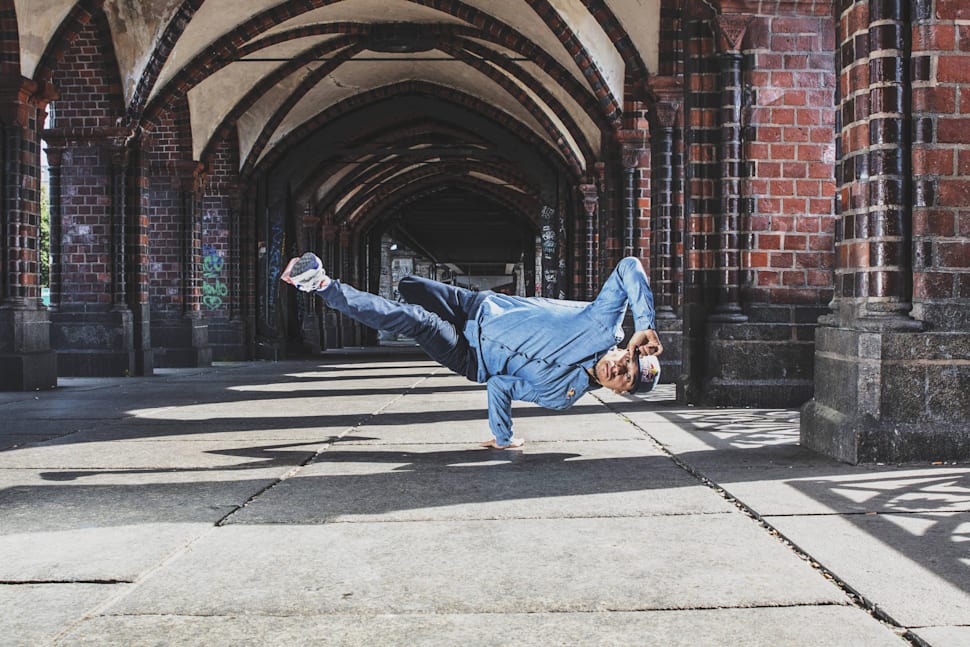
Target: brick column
<point x="92" y="327"/>
<point x="731" y="30"/>
<point x="630" y="160"/>
<point x="183" y="340"/>
<point x="591" y="208"/>
<point x="26" y="359"/>
<point x="887" y="388"/>
<point x="666" y="216"/>
<point x="137" y="265"/>
<point x="309" y="305"/>
<point x="329" y="254"/>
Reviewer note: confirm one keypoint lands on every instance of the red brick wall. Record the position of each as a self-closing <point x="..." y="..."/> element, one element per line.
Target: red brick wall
<point x="701" y="138"/>
<point x="790" y="145"/>
<point x="90" y="101"/>
<point x="169" y="154"/>
<point x="218" y="263"/>
<point x="941" y="163"/>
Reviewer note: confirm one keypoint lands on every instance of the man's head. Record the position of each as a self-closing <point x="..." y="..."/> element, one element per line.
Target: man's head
<point x="626" y="371"/>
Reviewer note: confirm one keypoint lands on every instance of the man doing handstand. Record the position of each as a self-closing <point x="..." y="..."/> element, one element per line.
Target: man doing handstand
<point x="545" y="351"/>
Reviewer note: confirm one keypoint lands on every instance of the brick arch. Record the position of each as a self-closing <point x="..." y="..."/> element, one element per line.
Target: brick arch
<point x="307" y="84"/>
<point x="420" y="88"/>
<point x="463" y="36"/>
<point x="525" y="100"/>
<point x="9" y="39"/>
<point x="611" y="105"/>
<point x="311" y="80"/>
<point x="635" y="67"/>
<point x="228" y="123"/>
<point x="226" y="49"/>
<point x="67" y="32"/>
<point x="88" y="78"/>
<point x="422" y="184"/>
<point x="445" y="35"/>
<point x="381" y="174"/>
<point x="407" y="133"/>
<point x="163" y="49"/>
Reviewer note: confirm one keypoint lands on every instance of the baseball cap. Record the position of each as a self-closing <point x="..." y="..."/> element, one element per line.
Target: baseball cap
<point x="648" y="373"/>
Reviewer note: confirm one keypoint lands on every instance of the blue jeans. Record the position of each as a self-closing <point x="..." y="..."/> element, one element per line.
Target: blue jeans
<point x="434" y="315"/>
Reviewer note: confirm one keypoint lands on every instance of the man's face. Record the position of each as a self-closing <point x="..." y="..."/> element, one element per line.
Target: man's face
<point x="617" y="370"/>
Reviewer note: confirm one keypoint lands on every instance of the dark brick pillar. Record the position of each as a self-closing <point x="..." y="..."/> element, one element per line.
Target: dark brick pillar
<point x="591" y="210"/>
<point x="330" y="254"/>
<point x="758" y="110"/>
<point x="91" y="323"/>
<point x="26" y="359"/>
<point x="666" y="216"/>
<point x="180" y="334"/>
<point x="891" y="387"/>
<point x="137" y="266"/>
<point x="728" y="255"/>
<point x="222" y="238"/>
<point x="309" y="305"/>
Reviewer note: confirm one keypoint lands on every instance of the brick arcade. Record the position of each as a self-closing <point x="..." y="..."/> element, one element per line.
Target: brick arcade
<point x="794" y="174"/>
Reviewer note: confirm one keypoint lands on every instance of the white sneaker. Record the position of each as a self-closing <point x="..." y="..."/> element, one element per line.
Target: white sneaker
<point x="306" y="273"/>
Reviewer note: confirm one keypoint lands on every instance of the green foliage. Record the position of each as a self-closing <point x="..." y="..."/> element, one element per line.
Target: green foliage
<point x="45" y="236"/>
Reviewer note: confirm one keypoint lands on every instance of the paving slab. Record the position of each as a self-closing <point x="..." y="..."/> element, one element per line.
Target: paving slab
<point x="945" y="636"/>
<point x="913" y="566"/>
<point x="827" y="626"/>
<point x="82" y="452"/>
<point x="463" y="418"/>
<point x="119" y="553"/>
<point x="34" y="614"/>
<point x="508" y="566"/>
<point x="66" y="525"/>
<point x="61" y="500"/>
<point x="436" y="482"/>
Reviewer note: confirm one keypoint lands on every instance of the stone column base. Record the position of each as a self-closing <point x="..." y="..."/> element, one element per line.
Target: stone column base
<point x="93" y="343"/>
<point x="181" y="343"/>
<point x="757" y="364"/>
<point x="227" y="338"/>
<point x="28" y="371"/>
<point x="889" y="397"/>
<point x="26" y="361"/>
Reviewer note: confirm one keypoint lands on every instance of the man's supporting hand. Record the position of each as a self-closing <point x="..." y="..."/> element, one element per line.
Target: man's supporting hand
<point x="515" y="443"/>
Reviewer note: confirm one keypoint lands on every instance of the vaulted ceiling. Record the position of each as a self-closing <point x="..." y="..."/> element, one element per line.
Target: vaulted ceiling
<point x="275" y="73"/>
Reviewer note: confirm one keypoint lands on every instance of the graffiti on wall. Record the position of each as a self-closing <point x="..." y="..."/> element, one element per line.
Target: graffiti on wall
<point x="214" y="289"/>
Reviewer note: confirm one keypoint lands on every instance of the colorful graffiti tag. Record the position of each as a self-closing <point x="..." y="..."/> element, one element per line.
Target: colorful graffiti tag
<point x="213" y="287"/>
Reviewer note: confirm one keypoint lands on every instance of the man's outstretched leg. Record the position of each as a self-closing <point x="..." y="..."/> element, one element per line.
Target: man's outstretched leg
<point x="440" y="339"/>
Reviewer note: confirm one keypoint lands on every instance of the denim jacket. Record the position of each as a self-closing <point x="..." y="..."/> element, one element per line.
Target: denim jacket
<point x="538" y="350"/>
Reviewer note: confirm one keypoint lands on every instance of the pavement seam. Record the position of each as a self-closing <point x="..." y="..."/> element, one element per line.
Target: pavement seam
<point x="100" y="609"/>
<point x="326" y="446"/>
<point x="856" y="598"/>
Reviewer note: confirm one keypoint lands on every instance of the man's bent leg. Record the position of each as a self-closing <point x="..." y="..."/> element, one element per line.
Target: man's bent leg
<point x="439" y="338"/>
<point x="449" y="302"/>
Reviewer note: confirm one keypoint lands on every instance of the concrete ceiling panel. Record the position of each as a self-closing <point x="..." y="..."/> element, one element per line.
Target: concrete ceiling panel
<point x="251" y="123"/>
<point x="368" y="11"/>
<point x="37" y="21"/>
<point x="523" y="19"/>
<point x="136" y="28"/>
<point x="356" y="77"/>
<point x="641" y="20"/>
<point x="214" y="98"/>
<point x="596" y="42"/>
<point x="214" y="19"/>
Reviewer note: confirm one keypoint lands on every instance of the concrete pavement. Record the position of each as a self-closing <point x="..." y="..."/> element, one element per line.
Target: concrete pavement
<point x="344" y="501"/>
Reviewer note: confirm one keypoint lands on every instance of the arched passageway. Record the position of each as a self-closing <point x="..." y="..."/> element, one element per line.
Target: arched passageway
<point x="797" y="197"/>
